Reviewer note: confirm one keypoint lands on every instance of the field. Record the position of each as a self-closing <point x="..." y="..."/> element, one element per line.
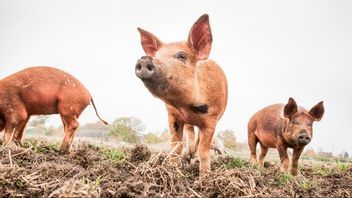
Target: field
<point x="37" y="170"/>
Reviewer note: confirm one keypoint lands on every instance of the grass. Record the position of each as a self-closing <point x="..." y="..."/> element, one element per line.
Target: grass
<point x="322" y="171"/>
<point x="237" y="163"/>
<point x="117" y="156"/>
<point x="284" y="178"/>
<point x="343" y="167"/>
<point x="93" y="171"/>
<point x="97" y="181"/>
<point x="41" y="147"/>
<point x="306" y="185"/>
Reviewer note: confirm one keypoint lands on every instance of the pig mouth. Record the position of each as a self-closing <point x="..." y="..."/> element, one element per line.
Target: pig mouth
<point x="157" y="86"/>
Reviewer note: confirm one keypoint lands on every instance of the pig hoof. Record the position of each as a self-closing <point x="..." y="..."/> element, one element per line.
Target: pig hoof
<point x="254" y="162"/>
<point x="195" y="161"/>
<point x="267" y="165"/>
<point x="64" y="152"/>
<point x="187" y="158"/>
<point x="17" y="142"/>
<point x="204" y="172"/>
<point x="294" y="173"/>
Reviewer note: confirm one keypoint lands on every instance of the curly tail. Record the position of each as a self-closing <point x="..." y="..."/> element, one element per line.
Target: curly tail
<point x="96" y="112"/>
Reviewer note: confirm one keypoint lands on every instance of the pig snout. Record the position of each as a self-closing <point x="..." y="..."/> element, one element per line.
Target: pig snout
<point x="145" y="68"/>
<point x="303" y="138"/>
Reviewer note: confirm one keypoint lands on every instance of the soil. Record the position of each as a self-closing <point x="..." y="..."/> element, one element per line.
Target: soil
<point x="37" y="170"/>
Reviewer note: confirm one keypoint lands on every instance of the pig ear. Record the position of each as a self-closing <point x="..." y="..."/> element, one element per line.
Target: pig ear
<point x="200" y="37"/>
<point x="317" y="111"/>
<point x="290" y="108"/>
<point x="150" y="43"/>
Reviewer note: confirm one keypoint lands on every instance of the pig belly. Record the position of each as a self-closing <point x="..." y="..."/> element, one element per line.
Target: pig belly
<point x="267" y="139"/>
<point x="191" y="118"/>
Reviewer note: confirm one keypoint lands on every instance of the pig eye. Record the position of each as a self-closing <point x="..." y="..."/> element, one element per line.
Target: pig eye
<point x="181" y="56"/>
<point x="294" y="122"/>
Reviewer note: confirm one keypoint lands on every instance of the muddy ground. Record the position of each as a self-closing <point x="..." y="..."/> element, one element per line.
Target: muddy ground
<point x="37" y="170"/>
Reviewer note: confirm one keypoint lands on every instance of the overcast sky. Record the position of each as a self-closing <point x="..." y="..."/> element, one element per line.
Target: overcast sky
<point x="269" y="50"/>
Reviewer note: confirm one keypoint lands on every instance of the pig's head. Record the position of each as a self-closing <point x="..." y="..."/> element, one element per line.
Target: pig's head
<point x="169" y="71"/>
<point x="299" y="128"/>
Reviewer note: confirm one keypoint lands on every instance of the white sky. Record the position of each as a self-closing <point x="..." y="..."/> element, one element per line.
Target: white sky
<point x="269" y="50"/>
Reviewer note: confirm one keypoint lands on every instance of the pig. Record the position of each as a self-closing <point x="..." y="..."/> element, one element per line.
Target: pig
<point x="218" y="146"/>
<point x="193" y="87"/>
<point x="41" y="90"/>
<point x="283" y="126"/>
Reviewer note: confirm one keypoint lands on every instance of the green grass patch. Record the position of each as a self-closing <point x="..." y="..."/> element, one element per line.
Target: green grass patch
<point x="41" y="147"/>
<point x="322" y="171"/>
<point x="117" y="156"/>
<point x="284" y="178"/>
<point x="97" y="181"/>
<point x="237" y="163"/>
<point x="306" y="185"/>
<point x="343" y="167"/>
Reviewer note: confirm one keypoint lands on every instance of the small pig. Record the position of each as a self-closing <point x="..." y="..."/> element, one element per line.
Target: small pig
<point x="41" y="91"/>
<point x="218" y="146"/>
<point x="283" y="126"/>
<point x="193" y="87"/>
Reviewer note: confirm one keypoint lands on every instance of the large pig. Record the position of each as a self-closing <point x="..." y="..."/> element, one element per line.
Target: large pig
<point x="41" y="91"/>
<point x="283" y="126"/>
<point x="193" y="87"/>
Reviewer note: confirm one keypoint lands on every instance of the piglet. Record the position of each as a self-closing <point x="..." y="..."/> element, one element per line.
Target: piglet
<point x="193" y="87"/>
<point x="283" y="126"/>
<point x="41" y="91"/>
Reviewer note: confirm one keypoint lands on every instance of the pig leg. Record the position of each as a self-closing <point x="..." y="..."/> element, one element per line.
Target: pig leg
<point x="2" y="125"/>
<point x="70" y="126"/>
<point x="9" y="133"/>
<point x="176" y="129"/>
<point x="14" y="124"/>
<point x="18" y="137"/>
<point x="191" y="141"/>
<point x="264" y="151"/>
<point x="295" y="156"/>
<point x="284" y="157"/>
<point x="204" y="146"/>
<point x="252" y="143"/>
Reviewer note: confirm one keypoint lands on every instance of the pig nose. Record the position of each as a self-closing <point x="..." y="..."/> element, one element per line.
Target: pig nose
<point x="303" y="139"/>
<point x="145" y="70"/>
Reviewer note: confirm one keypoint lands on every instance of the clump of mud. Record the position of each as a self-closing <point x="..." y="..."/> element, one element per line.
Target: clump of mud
<point x="140" y="153"/>
<point x="37" y="170"/>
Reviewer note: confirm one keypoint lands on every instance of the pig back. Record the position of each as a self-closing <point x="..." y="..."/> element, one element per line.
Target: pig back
<point x="40" y="89"/>
<point x="267" y="124"/>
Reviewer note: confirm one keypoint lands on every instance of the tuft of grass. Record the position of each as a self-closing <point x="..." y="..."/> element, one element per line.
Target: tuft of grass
<point x="117" y="156"/>
<point x="322" y="171"/>
<point x="306" y="185"/>
<point x="284" y="178"/>
<point x="35" y="146"/>
<point x="97" y="181"/>
<point x="39" y="146"/>
<point x="237" y="163"/>
<point x="343" y="167"/>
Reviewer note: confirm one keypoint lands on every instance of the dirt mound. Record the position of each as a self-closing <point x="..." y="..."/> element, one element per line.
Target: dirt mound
<point x="140" y="153"/>
<point x="37" y="170"/>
